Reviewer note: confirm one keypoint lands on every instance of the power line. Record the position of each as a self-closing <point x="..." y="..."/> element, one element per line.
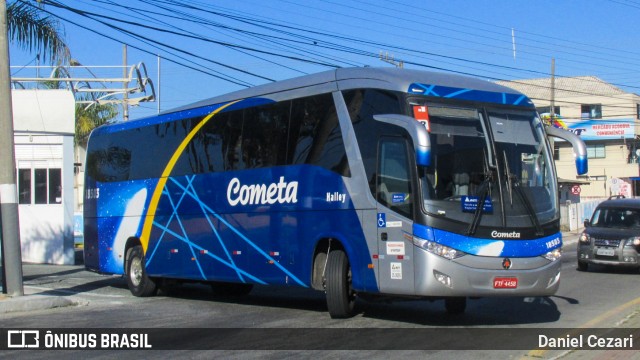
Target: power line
<point x="307" y="39"/>
<point x="237" y="82"/>
<point x="391" y="46"/>
<point x="94" y="15"/>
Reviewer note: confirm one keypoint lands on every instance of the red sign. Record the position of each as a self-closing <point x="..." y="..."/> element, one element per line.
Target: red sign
<point x="575" y="189"/>
<point x="505" y="283"/>
<point x="421" y="113"/>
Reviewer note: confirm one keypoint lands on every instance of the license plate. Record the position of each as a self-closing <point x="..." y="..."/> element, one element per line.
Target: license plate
<point x="505" y="283"/>
<point x="606" y="252"/>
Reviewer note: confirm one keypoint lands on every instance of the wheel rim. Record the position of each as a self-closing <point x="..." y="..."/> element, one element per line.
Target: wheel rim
<point x="135" y="273"/>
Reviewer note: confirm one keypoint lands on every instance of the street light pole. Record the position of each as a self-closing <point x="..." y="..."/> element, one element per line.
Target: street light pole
<point x="11" y="253"/>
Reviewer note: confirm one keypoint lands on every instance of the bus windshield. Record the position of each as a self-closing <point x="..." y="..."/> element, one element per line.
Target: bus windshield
<point x="495" y="157"/>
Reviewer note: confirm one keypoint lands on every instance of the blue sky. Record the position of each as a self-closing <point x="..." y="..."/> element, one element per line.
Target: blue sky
<point x="252" y="42"/>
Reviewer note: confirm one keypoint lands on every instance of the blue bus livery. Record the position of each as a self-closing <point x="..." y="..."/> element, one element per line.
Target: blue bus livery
<point x="352" y="181"/>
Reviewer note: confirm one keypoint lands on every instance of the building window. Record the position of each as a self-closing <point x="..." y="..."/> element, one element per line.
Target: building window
<point x="55" y="186"/>
<point x="593" y="111"/>
<point x="637" y="111"/>
<point x="39" y="186"/>
<point x="556" y="152"/>
<point x="40" y="180"/>
<point x="24" y="186"/>
<point x="547" y="109"/>
<point x="596" y="151"/>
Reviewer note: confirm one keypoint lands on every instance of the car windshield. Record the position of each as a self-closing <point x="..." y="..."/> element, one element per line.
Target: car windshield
<point x="616" y="218"/>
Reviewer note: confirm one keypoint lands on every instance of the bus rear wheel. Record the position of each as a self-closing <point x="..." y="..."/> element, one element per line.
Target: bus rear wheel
<point x="139" y="283"/>
<point x="340" y="295"/>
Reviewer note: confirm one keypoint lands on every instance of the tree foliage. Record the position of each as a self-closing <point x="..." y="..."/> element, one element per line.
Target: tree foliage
<point x="34" y="32"/>
<point x="90" y="117"/>
<point x="30" y="28"/>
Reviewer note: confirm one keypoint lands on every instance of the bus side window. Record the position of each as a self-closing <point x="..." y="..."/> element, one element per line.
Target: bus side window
<point x="315" y="137"/>
<point x="264" y="135"/>
<point x="363" y="104"/>
<point x="394" y="180"/>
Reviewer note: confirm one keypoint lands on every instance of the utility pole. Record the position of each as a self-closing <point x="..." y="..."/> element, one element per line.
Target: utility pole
<point x="158" y="99"/>
<point x="125" y="84"/>
<point x="552" y="107"/>
<point x="11" y="253"/>
<point x="513" y="43"/>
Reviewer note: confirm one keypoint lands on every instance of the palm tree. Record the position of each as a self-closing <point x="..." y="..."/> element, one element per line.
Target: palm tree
<point x="30" y="28"/>
<point x="33" y="31"/>
<point x="90" y="117"/>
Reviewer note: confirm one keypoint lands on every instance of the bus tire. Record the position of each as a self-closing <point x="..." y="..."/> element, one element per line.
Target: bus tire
<point x="340" y="295"/>
<point x="455" y="305"/>
<point x="230" y="289"/>
<point x="139" y="283"/>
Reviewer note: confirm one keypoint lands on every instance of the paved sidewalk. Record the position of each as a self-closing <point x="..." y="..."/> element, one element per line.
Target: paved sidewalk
<point x="569" y="238"/>
<point x="33" y="302"/>
<point x="36" y="298"/>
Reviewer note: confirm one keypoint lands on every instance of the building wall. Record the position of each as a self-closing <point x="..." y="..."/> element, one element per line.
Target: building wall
<point x="601" y="171"/>
<point x="607" y="176"/>
<point x="43" y="135"/>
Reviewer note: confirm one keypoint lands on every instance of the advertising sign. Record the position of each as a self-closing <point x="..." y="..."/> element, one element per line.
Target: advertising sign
<point x="600" y="129"/>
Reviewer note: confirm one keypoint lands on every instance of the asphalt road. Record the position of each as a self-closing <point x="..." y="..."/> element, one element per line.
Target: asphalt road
<point x="600" y="298"/>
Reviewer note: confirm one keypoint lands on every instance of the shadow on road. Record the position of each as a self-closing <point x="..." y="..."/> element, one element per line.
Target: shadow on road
<point x="481" y="312"/>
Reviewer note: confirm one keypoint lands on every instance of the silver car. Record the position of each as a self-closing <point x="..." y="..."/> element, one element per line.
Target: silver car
<point x="612" y="236"/>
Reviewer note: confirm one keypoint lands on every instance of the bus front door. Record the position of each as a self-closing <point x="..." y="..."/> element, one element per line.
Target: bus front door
<point x="394" y="211"/>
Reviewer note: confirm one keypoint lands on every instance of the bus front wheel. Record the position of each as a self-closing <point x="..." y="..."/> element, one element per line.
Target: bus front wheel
<point x="340" y="295"/>
<point x="139" y="283"/>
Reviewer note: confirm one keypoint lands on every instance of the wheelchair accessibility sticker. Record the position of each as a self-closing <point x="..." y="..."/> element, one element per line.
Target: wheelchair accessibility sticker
<point x="382" y="220"/>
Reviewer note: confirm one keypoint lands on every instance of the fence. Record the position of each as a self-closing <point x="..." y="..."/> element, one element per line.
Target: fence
<point x="572" y="215"/>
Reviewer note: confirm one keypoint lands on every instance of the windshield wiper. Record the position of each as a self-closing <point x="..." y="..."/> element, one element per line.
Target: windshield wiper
<point x="513" y="183"/>
<point x="483" y="190"/>
<point x="507" y="171"/>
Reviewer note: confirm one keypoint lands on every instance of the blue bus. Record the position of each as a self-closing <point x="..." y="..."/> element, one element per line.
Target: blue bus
<point x="353" y="182"/>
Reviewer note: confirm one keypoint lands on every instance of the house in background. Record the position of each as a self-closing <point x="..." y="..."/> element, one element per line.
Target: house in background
<point x="606" y="118"/>
<point x="44" y="124"/>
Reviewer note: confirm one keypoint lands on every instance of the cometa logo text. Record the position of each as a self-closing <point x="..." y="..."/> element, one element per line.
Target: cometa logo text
<point x="262" y="194"/>
<point x="500" y="235"/>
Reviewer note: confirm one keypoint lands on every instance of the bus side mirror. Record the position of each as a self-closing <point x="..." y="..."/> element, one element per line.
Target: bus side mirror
<point x="579" y="147"/>
<point x="587" y="223"/>
<point x="416" y="130"/>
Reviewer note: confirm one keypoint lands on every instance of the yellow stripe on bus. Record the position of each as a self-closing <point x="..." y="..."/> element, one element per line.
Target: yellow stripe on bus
<point x="157" y="193"/>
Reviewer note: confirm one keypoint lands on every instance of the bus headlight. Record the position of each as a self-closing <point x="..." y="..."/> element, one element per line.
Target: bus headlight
<point x="553" y="255"/>
<point x="438" y="249"/>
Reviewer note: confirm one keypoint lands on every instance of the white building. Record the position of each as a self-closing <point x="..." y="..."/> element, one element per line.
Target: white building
<point x="606" y="118"/>
<point x="43" y="122"/>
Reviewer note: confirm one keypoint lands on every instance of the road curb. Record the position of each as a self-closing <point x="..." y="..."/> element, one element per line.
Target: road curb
<point x="34" y="303"/>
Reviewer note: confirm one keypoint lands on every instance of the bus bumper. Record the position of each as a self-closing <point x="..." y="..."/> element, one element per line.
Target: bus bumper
<point x="484" y="276"/>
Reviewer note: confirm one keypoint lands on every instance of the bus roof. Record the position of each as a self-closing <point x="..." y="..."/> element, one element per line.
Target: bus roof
<point x="418" y="82"/>
<point x="348" y="78"/>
